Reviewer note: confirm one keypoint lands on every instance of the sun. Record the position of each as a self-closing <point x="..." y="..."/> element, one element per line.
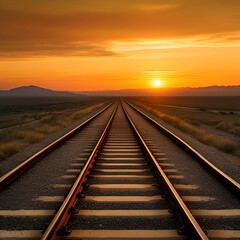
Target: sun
<point x="157" y="83"/>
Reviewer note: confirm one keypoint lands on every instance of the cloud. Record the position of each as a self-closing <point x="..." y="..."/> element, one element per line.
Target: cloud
<point x="26" y="50"/>
<point x="63" y="6"/>
<point x="150" y="72"/>
<point x="82" y="28"/>
<point x="142" y="20"/>
<point x="202" y="41"/>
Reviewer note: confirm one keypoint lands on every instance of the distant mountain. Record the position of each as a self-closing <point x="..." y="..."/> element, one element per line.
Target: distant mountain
<point x="202" y="91"/>
<point x="34" y="91"/>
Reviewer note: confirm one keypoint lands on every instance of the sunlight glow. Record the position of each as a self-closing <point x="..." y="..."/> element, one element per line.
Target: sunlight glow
<point x="157" y="83"/>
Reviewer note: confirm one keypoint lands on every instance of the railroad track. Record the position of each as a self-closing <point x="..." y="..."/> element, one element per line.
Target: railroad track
<point x="123" y="186"/>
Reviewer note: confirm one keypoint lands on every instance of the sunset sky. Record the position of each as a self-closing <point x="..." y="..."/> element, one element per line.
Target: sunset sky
<point x="118" y="44"/>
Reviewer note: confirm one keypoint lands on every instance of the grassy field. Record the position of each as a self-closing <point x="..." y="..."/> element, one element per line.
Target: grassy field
<point x="213" y="121"/>
<point x="25" y="121"/>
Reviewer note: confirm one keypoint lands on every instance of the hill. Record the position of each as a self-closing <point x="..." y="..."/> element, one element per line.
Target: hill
<point x="34" y="91"/>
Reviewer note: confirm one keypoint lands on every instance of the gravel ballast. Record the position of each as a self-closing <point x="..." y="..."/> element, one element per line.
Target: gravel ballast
<point x="40" y="179"/>
<point x="204" y="184"/>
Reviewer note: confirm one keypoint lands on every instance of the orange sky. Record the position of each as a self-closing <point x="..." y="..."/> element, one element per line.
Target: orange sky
<point x="119" y="44"/>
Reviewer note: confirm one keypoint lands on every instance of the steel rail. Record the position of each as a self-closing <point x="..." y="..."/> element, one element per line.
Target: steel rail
<point x="192" y="227"/>
<point x="231" y="184"/>
<point x="9" y="177"/>
<point x="56" y="227"/>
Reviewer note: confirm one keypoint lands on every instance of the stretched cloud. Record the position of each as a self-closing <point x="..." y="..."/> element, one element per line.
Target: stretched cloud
<point x="26" y="50"/>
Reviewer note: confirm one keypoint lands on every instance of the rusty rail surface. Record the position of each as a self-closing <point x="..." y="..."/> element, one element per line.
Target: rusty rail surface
<point x="189" y="222"/>
<point x="57" y="227"/>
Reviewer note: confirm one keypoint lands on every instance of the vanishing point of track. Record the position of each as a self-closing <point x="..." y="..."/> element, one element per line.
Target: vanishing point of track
<point x="122" y="189"/>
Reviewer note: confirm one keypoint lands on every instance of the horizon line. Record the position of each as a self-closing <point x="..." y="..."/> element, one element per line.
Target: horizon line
<point x="122" y="89"/>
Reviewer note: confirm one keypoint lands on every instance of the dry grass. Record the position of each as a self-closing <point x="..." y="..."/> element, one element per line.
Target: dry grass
<point x="28" y="136"/>
<point x="228" y="127"/>
<point x="15" y="139"/>
<point x="223" y="144"/>
<point x="221" y="113"/>
<point x="10" y="148"/>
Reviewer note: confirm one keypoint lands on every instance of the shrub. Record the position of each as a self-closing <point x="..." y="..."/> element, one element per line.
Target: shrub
<point x="221" y="126"/>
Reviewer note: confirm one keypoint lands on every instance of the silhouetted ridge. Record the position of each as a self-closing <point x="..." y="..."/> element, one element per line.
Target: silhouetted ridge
<point x="35" y="91"/>
<point x="188" y="91"/>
